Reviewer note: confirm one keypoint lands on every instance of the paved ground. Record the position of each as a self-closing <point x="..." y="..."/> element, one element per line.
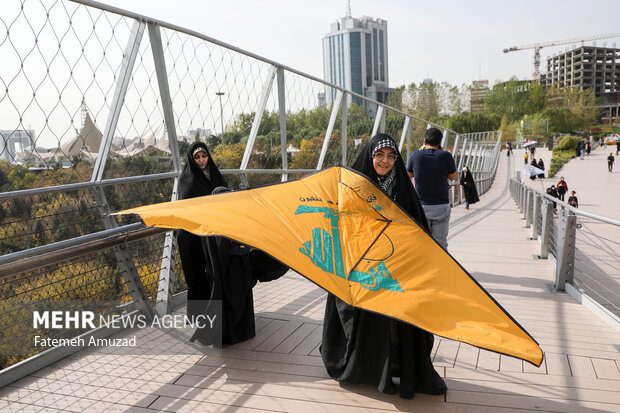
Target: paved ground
<point x="280" y="369"/>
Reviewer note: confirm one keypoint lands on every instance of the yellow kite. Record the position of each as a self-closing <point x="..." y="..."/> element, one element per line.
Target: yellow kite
<point x="339" y="230"/>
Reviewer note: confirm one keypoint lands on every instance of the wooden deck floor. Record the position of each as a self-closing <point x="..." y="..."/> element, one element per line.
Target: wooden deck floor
<point x="281" y="370"/>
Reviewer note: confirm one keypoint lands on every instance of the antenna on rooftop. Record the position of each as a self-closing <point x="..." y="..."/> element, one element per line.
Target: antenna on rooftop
<point x="348" y="13"/>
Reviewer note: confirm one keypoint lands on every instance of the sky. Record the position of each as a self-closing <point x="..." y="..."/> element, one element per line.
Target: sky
<point x="452" y="41"/>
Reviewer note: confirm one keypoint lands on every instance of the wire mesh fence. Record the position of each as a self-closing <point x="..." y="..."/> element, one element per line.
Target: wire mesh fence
<point x="68" y="286"/>
<point x="89" y="98"/>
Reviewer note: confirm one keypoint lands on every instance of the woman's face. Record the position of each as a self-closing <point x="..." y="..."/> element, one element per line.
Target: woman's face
<point x="383" y="160"/>
<point x="201" y="159"/>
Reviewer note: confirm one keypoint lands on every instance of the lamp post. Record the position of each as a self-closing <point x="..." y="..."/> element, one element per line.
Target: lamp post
<point x="220" y="94"/>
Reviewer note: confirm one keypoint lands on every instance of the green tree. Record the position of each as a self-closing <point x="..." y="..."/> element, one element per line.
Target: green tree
<point x="515" y="99"/>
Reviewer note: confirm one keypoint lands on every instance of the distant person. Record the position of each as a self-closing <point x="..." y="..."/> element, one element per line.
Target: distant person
<point x="525" y="157"/>
<point x="588" y="147"/>
<point x="532" y="173"/>
<point x="507" y="149"/>
<point x="572" y="200"/>
<point x="617" y="146"/>
<point x="581" y="149"/>
<point x="541" y="166"/>
<point x="432" y="167"/>
<point x="552" y="191"/>
<point x="532" y="150"/>
<point x="562" y="188"/>
<point x="610" y="162"/>
<point x="510" y="146"/>
<point x="469" y="187"/>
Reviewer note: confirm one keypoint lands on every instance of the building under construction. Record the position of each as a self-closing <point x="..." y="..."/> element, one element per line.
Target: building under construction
<point x="589" y="67"/>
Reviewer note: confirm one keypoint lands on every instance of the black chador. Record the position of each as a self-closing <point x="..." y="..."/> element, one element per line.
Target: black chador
<point x="195" y="182"/>
<point x="233" y="269"/>
<point x="364" y="347"/>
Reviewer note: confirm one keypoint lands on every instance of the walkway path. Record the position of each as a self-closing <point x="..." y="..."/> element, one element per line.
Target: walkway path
<point x="281" y="370"/>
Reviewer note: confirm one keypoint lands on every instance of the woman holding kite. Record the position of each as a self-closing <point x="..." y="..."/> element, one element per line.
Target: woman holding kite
<point x="200" y="177"/>
<point x="364" y="347"/>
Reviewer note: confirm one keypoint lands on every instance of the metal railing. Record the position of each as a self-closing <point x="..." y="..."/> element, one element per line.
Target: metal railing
<point x="582" y="246"/>
<point x="115" y="97"/>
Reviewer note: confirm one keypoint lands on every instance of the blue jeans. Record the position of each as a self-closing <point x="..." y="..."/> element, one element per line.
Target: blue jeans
<point x="438" y="217"/>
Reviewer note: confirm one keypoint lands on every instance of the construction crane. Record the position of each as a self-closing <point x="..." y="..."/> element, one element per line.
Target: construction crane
<point x="538" y="46"/>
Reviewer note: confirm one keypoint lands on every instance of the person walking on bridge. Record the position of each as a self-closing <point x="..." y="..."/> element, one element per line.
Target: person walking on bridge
<point x="432" y="168"/>
<point x="610" y="162"/>
<point x="572" y="200"/>
<point x="562" y="188"/>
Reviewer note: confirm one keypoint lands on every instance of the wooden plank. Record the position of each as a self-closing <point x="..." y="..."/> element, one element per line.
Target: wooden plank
<point x="446" y="353"/>
<point x="545" y="392"/>
<point x="210" y="376"/>
<point x="507" y="363"/>
<point x="274" y="398"/>
<point x="530" y="368"/>
<point x="606" y="369"/>
<point x="581" y="366"/>
<point x="527" y="402"/>
<point x="279" y="336"/>
<point x="557" y="364"/>
<point x="295" y="339"/>
<point x="316" y="352"/>
<point x="274" y="367"/>
<point x="532" y="379"/>
<point x="261" y="336"/>
<point x="228" y="353"/>
<point x="306" y="346"/>
<point x="261" y="322"/>
<point x="487" y="360"/>
<point x="467" y="356"/>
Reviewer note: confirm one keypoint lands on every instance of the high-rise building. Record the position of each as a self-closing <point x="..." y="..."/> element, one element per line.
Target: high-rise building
<point x="478" y="91"/>
<point x="355" y="57"/>
<point x="589" y="67"/>
<point x="15" y="142"/>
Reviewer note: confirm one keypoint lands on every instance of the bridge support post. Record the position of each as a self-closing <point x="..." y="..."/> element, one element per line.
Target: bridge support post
<point x="565" y="268"/>
<point x="545" y="233"/>
<point x="536" y="212"/>
<point x="528" y="208"/>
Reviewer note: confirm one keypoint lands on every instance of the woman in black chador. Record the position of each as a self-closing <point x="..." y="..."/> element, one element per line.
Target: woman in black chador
<point x="200" y="176"/>
<point x="233" y="270"/>
<point x="469" y="187"/>
<point x="363" y="347"/>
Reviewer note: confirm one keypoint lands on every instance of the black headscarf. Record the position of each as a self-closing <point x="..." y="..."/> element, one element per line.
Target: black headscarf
<point x="193" y="181"/>
<point x="396" y="183"/>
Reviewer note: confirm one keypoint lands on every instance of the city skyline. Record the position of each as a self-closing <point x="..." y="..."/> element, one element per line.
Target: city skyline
<point x="445" y="41"/>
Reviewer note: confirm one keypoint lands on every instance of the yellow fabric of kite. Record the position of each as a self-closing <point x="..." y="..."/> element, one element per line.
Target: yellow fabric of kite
<point x="342" y="232"/>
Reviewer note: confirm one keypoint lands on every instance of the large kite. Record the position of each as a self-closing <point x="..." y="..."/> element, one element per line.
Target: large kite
<point x="340" y="231"/>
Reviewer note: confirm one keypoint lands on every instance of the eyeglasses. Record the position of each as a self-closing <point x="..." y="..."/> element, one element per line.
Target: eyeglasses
<point x="381" y="156"/>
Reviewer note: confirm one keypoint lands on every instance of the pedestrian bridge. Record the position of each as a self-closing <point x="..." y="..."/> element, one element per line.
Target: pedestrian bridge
<point x="556" y="273"/>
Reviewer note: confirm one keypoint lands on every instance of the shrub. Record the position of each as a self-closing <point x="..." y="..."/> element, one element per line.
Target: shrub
<point x="562" y="153"/>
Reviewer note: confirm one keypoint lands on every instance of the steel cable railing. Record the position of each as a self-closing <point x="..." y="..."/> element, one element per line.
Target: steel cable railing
<point x="582" y="246"/>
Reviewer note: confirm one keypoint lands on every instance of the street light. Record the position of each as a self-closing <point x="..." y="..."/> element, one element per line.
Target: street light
<point x="220" y="94"/>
